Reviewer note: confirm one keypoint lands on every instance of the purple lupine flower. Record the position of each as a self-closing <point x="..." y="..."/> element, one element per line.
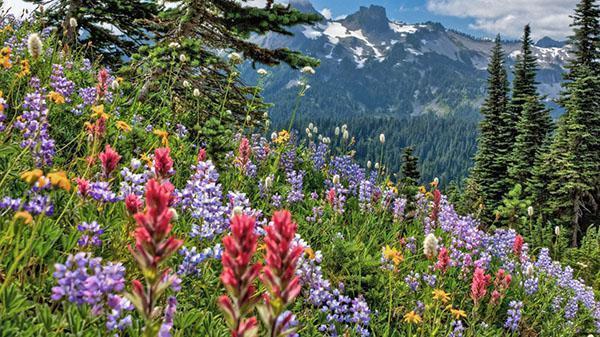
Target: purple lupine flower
<point x="295" y="179"/>
<point x="276" y="200"/>
<point x="430" y="279"/>
<point x="366" y="192"/>
<point x="398" y="208"/>
<point x="60" y="83"/>
<point x="181" y="131"/>
<point x="288" y="160"/>
<point x="100" y="191"/>
<point x="134" y="182"/>
<point x="118" y="306"/>
<point x="202" y="197"/>
<point x="348" y="171"/>
<point x="90" y="234"/>
<point x="167" y="325"/>
<point x="88" y="95"/>
<point x="2" y="115"/>
<point x="319" y="153"/>
<point x="412" y="280"/>
<point x="84" y="280"/>
<point x="514" y="315"/>
<point x="457" y="329"/>
<point x="33" y="123"/>
<point x="192" y="259"/>
<point x="291" y="322"/>
<point x="38" y="204"/>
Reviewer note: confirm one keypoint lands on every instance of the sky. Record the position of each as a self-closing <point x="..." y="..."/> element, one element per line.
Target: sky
<point x="484" y="18"/>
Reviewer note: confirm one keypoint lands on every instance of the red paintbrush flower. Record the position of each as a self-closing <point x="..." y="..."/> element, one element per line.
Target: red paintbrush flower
<point x="133" y="204"/>
<point x="437" y="198"/>
<point x="443" y="260"/>
<point x="518" y="245"/>
<point x="243" y="156"/>
<point x="238" y="277"/>
<point x="279" y="273"/>
<point x="153" y="245"/>
<point x="102" y="86"/>
<point x="83" y="186"/>
<point x="163" y="162"/>
<point x="331" y="196"/>
<point x="479" y="284"/>
<point x="109" y="159"/>
<point x="201" y="155"/>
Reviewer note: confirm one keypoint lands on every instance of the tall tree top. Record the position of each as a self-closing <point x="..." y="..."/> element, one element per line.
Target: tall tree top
<point x="525" y="69"/>
<point x="585" y="41"/>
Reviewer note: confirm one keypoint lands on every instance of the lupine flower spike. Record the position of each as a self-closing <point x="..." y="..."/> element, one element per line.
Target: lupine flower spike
<point x="279" y="274"/>
<point x="238" y="277"/>
<point x="153" y="246"/>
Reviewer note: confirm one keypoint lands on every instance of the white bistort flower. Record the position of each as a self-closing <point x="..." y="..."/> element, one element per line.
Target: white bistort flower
<point x="73" y="22"/>
<point x="34" y="45"/>
<point x="430" y="245"/>
<point x="262" y="72"/>
<point x="308" y="70"/>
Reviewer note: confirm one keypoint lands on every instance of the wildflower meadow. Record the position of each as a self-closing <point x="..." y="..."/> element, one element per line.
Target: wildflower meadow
<point x="121" y="217"/>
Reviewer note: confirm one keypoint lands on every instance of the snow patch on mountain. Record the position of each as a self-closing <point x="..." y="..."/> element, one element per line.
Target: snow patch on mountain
<point x="402" y="28"/>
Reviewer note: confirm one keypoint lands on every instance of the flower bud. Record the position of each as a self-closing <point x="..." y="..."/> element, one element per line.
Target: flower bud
<point x="186" y="84"/>
<point x="336" y="179"/>
<point x="337" y="131"/>
<point x="308" y="70"/>
<point x="274" y="136"/>
<point x="345" y="135"/>
<point x="238" y="210"/>
<point x="115" y="85"/>
<point x="530" y="211"/>
<point x="196" y="92"/>
<point x="369" y="164"/>
<point x="73" y="22"/>
<point x="262" y="72"/>
<point x="557" y="231"/>
<point x="382" y="138"/>
<point x="182" y="58"/>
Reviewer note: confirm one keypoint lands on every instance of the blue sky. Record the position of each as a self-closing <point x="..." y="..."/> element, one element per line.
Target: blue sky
<point x="477" y="17"/>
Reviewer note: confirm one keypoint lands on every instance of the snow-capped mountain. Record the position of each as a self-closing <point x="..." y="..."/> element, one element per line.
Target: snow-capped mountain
<point x="371" y="64"/>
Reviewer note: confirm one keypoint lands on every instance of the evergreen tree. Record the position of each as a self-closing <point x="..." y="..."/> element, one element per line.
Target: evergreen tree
<point x="188" y="69"/>
<point x="113" y="28"/>
<point x="492" y="150"/>
<point x="527" y="121"/>
<point x="410" y="172"/>
<point x="532" y="130"/>
<point x="574" y="159"/>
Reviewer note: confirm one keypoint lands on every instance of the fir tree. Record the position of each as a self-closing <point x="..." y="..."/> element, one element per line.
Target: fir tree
<point x="532" y="129"/>
<point x="492" y="150"/>
<point x="113" y="28"/>
<point x="409" y="171"/>
<point x="574" y="159"/>
<point x="527" y="120"/>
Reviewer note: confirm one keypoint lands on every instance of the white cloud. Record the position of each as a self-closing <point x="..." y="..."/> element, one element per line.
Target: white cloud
<point x="18" y="6"/>
<point x="326" y="12"/>
<point x="507" y="17"/>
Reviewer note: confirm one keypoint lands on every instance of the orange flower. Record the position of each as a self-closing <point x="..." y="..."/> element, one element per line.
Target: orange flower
<point x="123" y="126"/>
<point x="164" y="137"/>
<point x="25" y="70"/>
<point x="32" y="176"/>
<point x="392" y="254"/>
<point x="56" y="97"/>
<point x="439" y="294"/>
<point x="412" y="317"/>
<point x="457" y="313"/>
<point x="24" y="216"/>
<point x="60" y="180"/>
<point x="98" y="111"/>
<point x="5" y="57"/>
<point x="310" y="253"/>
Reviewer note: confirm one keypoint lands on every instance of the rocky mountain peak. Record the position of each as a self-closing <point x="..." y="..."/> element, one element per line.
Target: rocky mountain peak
<point x="371" y="19"/>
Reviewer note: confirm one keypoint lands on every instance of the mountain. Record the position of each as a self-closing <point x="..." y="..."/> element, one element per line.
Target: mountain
<point x="377" y="68"/>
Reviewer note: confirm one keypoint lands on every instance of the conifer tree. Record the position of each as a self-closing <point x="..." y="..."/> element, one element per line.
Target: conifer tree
<point x="112" y="28"/>
<point x="532" y="129"/>
<point x="527" y="121"/>
<point x="492" y="149"/>
<point x="409" y="171"/>
<point x="574" y="159"/>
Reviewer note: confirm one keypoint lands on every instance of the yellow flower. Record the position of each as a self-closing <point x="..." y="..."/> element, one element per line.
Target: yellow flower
<point x="32" y="176"/>
<point x="144" y="157"/>
<point x="98" y="111"/>
<point x="457" y="313"/>
<point x="422" y="189"/>
<point x="56" y="97"/>
<point x="392" y="254"/>
<point x="123" y="126"/>
<point x="24" y="216"/>
<point x="5" y="57"/>
<point x="310" y="252"/>
<point x="164" y="136"/>
<point x="282" y="137"/>
<point x="8" y="28"/>
<point x="60" y="180"/>
<point x="439" y="294"/>
<point x="25" y="70"/>
<point x="412" y="317"/>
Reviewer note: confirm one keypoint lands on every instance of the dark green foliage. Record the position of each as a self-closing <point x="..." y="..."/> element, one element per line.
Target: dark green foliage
<point x="409" y="172"/>
<point x="112" y="28"/>
<point x="513" y="210"/>
<point x="490" y="169"/>
<point x="574" y="159"/>
<point x="532" y="130"/>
